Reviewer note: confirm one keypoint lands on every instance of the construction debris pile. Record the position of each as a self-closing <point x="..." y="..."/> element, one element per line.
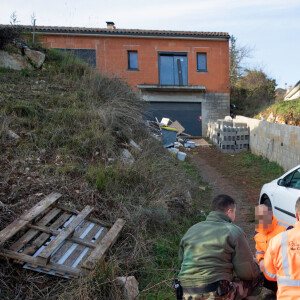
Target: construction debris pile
<point x="229" y="136"/>
<point x="173" y="137"/>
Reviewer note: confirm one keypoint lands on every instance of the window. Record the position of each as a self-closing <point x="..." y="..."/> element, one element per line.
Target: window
<point x="132" y="60"/>
<point x="201" y="62"/>
<point x="87" y="55"/>
<point x="173" y="69"/>
<point x="294" y="181"/>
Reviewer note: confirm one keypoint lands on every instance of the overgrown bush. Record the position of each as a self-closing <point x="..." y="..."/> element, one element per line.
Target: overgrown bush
<point x="9" y="35"/>
<point x="252" y="92"/>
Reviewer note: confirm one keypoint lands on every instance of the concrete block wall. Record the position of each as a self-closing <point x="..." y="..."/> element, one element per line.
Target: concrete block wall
<point x="276" y="142"/>
<point x="214" y="106"/>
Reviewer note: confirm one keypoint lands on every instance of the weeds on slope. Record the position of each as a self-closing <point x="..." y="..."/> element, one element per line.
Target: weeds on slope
<point x="72" y="123"/>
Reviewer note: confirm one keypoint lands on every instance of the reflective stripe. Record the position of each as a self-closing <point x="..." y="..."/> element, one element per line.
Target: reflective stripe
<point x="285" y="261"/>
<point x="259" y="252"/>
<point x="287" y="281"/>
<point x="271" y="275"/>
<point x="283" y="224"/>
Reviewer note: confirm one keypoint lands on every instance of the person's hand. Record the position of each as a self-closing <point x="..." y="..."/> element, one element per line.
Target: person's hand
<point x="261" y="265"/>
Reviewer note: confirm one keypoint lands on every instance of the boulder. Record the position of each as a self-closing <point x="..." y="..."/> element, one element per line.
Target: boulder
<point x="37" y="58"/>
<point x="14" y="61"/>
<point x="130" y="286"/>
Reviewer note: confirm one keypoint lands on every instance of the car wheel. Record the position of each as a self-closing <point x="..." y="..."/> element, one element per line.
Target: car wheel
<point x="267" y="202"/>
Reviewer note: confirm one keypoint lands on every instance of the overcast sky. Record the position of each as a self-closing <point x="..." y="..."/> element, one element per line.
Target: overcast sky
<point x="270" y="27"/>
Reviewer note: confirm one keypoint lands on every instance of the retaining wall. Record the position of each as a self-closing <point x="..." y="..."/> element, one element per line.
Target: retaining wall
<point x="277" y="142"/>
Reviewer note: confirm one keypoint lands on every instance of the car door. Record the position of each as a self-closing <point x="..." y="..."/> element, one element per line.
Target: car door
<point x="285" y="197"/>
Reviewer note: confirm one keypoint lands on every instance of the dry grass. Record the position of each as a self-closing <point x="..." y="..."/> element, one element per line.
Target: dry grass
<point x="71" y="123"/>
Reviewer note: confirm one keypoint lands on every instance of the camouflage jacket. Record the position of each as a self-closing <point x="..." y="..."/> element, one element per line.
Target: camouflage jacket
<point x="213" y="250"/>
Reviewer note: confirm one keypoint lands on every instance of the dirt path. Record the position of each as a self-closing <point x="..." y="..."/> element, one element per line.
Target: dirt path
<point x="216" y="170"/>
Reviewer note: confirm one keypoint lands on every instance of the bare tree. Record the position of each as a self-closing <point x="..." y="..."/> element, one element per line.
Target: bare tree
<point x="236" y="55"/>
<point x="13" y="20"/>
<point x="33" y="20"/>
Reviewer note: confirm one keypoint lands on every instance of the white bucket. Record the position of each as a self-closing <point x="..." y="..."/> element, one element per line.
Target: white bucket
<point x="173" y="151"/>
<point x="181" y="156"/>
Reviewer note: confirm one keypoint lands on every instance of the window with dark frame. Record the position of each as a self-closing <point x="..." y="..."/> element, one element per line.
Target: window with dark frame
<point x="132" y="60"/>
<point x="173" y="68"/>
<point x="201" y="62"/>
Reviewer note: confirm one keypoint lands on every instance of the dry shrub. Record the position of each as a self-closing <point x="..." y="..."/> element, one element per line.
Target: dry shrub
<point x="9" y="35"/>
<point x="69" y="129"/>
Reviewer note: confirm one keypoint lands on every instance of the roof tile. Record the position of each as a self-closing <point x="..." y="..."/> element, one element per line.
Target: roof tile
<point x="136" y="32"/>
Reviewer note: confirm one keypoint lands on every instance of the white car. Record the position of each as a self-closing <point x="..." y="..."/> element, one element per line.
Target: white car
<point x="281" y="194"/>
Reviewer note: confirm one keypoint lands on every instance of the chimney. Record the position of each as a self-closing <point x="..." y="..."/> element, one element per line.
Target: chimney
<point x="110" y="25"/>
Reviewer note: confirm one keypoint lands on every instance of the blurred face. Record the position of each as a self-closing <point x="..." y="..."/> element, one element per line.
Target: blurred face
<point x="263" y="217"/>
<point x="231" y="213"/>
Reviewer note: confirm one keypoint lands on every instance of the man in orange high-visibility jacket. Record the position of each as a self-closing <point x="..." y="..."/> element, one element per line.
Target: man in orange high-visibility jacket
<point x="266" y="227"/>
<point x="282" y="261"/>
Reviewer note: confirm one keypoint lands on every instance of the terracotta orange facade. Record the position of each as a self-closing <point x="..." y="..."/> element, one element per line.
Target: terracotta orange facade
<point x="182" y="75"/>
<point x="111" y="57"/>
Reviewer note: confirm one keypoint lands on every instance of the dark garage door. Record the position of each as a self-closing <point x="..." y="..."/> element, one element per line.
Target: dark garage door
<point x="187" y="114"/>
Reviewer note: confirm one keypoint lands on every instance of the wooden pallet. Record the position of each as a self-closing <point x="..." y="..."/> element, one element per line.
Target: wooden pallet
<point x="57" y="240"/>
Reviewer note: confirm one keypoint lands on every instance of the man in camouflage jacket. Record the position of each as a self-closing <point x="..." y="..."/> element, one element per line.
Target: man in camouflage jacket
<point x="215" y="258"/>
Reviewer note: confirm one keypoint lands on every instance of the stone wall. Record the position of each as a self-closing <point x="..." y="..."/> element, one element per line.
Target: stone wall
<point x="277" y="142"/>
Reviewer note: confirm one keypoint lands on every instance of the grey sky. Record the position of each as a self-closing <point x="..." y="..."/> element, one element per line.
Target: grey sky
<point x="270" y="27"/>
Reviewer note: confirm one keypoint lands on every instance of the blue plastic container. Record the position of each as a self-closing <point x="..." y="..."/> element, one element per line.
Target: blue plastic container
<point x="168" y="136"/>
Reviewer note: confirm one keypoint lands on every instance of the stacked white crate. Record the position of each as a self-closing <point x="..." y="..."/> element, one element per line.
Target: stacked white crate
<point x="229" y="137"/>
<point x="213" y="132"/>
<point x="242" y="137"/>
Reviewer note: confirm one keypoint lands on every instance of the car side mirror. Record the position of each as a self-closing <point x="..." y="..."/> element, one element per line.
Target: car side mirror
<point x="282" y="182"/>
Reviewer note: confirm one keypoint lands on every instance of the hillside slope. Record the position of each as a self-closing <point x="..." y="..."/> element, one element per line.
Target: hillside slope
<point x="283" y="112"/>
<point x="73" y="125"/>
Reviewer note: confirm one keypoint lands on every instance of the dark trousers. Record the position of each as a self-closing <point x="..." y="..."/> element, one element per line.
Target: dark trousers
<point x="270" y="285"/>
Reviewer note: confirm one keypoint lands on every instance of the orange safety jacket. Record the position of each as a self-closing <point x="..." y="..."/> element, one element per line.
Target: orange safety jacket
<point x="282" y="263"/>
<point x="263" y="236"/>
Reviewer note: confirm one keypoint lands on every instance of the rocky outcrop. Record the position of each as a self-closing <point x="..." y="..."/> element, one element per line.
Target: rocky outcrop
<point x="37" y="58"/>
<point x="30" y="60"/>
<point x="14" y="61"/>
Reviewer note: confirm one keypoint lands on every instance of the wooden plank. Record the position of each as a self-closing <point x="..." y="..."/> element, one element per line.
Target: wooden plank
<point x="69" y="245"/>
<point x="85" y="271"/>
<point x="30" y="234"/>
<point x="178" y="126"/>
<point x="41" y="239"/>
<point x="24" y="219"/>
<point x="80" y="252"/>
<point x="56" y="232"/>
<point x="93" y="220"/>
<point x="46" y="253"/>
<point x="34" y="262"/>
<point x="104" y="244"/>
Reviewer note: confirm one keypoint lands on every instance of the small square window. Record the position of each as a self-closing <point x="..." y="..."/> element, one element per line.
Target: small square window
<point x="201" y="62"/>
<point x="132" y="60"/>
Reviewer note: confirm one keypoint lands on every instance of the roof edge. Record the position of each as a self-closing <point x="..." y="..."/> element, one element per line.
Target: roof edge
<point x="123" y="32"/>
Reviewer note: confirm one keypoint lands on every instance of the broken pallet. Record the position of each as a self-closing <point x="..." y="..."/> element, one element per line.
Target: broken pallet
<point x="58" y="240"/>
